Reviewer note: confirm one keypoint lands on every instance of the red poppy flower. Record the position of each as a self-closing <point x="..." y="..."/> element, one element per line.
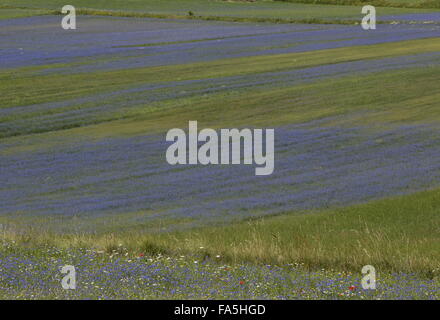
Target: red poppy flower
<point x="242" y="282"/>
<point x="352" y="288"/>
<point x="141" y="254"/>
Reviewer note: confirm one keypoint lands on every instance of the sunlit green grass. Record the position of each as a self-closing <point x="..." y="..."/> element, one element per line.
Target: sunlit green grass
<point x="378" y="3"/>
<point x="410" y="98"/>
<point x="376" y="99"/>
<point x="19" y="13"/>
<point x="216" y="9"/>
<point x="52" y="87"/>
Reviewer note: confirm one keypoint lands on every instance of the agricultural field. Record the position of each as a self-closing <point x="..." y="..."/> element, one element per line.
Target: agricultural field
<point x="255" y="11"/>
<point x="84" y="178"/>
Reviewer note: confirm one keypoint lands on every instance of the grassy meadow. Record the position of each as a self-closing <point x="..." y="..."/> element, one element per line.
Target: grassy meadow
<point x="390" y="234"/>
<point x="84" y="180"/>
<point x="378" y="3"/>
<point x="327" y="11"/>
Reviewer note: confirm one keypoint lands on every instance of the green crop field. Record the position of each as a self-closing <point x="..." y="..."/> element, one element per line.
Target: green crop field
<point x="215" y="9"/>
<point x="85" y="181"/>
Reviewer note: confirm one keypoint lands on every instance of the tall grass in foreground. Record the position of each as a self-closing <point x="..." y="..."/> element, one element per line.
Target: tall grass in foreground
<point x="378" y="3"/>
<point x="394" y="235"/>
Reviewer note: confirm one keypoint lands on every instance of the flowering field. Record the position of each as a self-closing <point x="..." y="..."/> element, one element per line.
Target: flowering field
<point x="34" y="274"/>
<point x="84" y="180"/>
